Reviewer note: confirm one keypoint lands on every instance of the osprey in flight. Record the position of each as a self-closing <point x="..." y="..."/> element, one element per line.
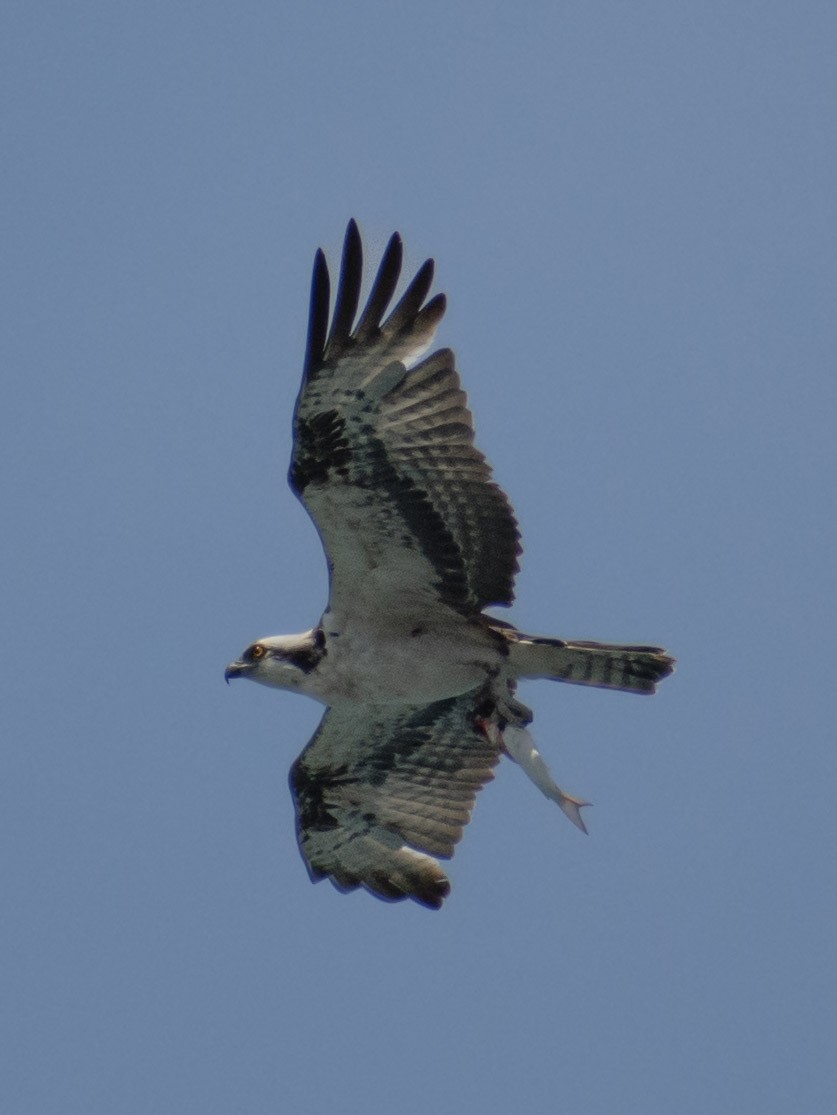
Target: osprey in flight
<point x="418" y="682"/>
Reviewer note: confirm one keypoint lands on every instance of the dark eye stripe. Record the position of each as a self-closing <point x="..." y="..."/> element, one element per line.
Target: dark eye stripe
<point x="309" y="659"/>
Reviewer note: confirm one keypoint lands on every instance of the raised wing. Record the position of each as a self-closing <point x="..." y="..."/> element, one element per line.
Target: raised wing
<point x="381" y="791"/>
<point x="384" y="458"/>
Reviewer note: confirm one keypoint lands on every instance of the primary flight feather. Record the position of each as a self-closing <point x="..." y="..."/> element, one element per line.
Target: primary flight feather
<point x="418" y="681"/>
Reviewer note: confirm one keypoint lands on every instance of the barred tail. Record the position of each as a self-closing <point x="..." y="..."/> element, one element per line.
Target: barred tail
<point x="635" y="669"/>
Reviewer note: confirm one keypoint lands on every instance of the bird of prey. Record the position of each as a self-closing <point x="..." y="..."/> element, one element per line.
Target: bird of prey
<point x="418" y="681"/>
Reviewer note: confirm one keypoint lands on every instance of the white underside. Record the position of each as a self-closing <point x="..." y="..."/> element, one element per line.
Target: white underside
<point x="399" y="667"/>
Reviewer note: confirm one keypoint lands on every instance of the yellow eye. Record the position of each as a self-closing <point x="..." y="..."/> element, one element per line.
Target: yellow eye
<point x="257" y="651"/>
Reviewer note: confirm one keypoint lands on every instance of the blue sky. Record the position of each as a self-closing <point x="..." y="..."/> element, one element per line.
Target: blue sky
<point x="632" y="209"/>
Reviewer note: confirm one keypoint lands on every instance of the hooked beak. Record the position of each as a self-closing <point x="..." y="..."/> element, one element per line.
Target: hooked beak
<point x="236" y="670"/>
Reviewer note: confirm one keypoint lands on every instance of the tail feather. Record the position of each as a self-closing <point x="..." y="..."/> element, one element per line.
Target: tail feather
<point x="634" y="669"/>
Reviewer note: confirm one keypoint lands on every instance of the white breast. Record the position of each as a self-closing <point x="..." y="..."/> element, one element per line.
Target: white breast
<point x="415" y="666"/>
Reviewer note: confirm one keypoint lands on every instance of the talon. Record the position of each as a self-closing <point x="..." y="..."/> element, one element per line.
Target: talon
<point x="490" y="730"/>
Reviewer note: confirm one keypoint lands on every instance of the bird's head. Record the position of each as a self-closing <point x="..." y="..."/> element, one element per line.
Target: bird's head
<point x="282" y="661"/>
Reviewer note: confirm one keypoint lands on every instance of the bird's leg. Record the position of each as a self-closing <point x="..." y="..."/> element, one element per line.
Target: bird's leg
<point x="507" y="708"/>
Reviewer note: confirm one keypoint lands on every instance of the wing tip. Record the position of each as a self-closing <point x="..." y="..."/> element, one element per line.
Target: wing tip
<point x="430" y="892"/>
<point x="318" y="311"/>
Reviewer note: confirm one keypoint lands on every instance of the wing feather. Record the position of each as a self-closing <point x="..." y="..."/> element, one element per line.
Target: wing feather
<point x="384" y="457"/>
<point x="409" y="305"/>
<point x="380" y="791"/>
<point x="318" y="312"/>
<point x="348" y="293"/>
<point x="382" y="290"/>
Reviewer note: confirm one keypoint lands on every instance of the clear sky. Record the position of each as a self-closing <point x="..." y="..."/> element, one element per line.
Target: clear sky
<point x="632" y="208"/>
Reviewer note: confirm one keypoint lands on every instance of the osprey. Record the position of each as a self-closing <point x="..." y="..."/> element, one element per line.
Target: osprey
<point x="418" y="682"/>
